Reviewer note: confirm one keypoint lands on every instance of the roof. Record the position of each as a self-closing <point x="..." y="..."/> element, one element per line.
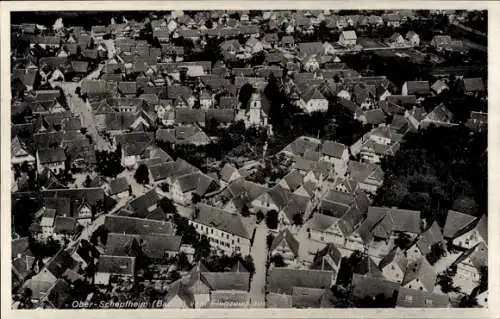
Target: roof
<point x="423" y="271"/>
<point x="402" y="100"/>
<point x="474" y="85"/>
<point x="397" y="256"/>
<point x="51" y="156"/>
<point x="285" y="237"/>
<point x="118" y="185"/>
<point x="274" y="300"/>
<point x="227" y="280"/>
<point x="139" y="226"/>
<point x="456" y="222"/>
<point x="283" y="280"/>
<point x="59" y="263"/>
<point x="303" y="297"/>
<point x="64" y="225"/>
<point x="223" y="220"/>
<point x="411" y="298"/>
<point x="227" y="172"/>
<point x="349" y="35"/>
<point x="156" y="246"/>
<point x="428" y="238"/>
<point x="142" y="204"/>
<point x="122" y="245"/>
<point x="418" y="87"/>
<point x="440" y="114"/>
<point x="368" y="287"/>
<point x="330" y="252"/>
<point x="333" y="149"/>
<point x="116" y="265"/>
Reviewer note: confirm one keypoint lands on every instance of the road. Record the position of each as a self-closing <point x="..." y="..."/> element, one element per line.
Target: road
<point x="83" y="109"/>
<point x="259" y="255"/>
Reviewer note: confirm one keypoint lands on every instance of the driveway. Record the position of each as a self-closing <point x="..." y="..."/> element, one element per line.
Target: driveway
<point x="259" y="255"/>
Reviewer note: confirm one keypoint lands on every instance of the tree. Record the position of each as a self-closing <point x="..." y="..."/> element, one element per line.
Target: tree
<point x="298" y="219"/>
<point x="437" y="251"/>
<point x="23" y="212"/>
<point x="245" y="94"/>
<point x="445" y="280"/>
<point x="195" y="198"/>
<point x="468" y="301"/>
<point x="272" y="219"/>
<point x="245" y="211"/>
<point x="202" y="248"/>
<point x="249" y="264"/>
<point x="278" y="260"/>
<point x="142" y="174"/>
<point x="403" y="241"/>
<point x="167" y="206"/>
<point x="87" y="182"/>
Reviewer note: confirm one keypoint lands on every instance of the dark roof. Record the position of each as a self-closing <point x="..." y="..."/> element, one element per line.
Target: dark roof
<point x="118" y="185"/>
<point x="223" y="220"/>
<point x="138" y="226"/>
<point x="285" y="237"/>
<point x="430" y="237"/>
<point x="65" y="225"/>
<point x="80" y="66"/>
<point x="51" y="156"/>
<point x="418" y="87"/>
<point x="474" y="85"/>
<point x="423" y="271"/>
<point x="322" y="258"/>
<point x="304" y="297"/>
<point x="227" y="280"/>
<point x="456" y="223"/>
<point x="116" y="265"/>
<point x="411" y="298"/>
<point x="59" y="263"/>
<point x="363" y="287"/>
<point x="142" y="204"/>
<point x="402" y="100"/>
<point x="333" y="149"/>
<point x="283" y="280"/>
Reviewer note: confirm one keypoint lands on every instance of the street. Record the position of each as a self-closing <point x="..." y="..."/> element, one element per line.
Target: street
<point x="259" y="255"/>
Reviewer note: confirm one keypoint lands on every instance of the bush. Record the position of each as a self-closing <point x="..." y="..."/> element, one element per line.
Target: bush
<point x="142" y="174"/>
<point x="260" y="216"/>
<point x="272" y="219"/>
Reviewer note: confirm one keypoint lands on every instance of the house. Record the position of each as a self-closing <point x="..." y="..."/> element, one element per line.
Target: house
<point x="411" y="298"/>
<point x="144" y="205"/>
<point x="328" y="259"/>
<point x="472" y="86"/>
<point x="396" y="40"/>
<point x="64" y="226"/>
<point x="227" y="288"/>
<point x="135" y="146"/>
<point x="465" y="230"/>
<point x="54" y="159"/>
<point x="287" y="41"/>
<point x="227" y="231"/>
<point x="282" y="280"/>
<point x="253" y="46"/>
<point x="439" y="86"/>
<point x="380" y="142"/>
<point x="422" y="247"/>
<point x="119" y="187"/>
<point x="412" y="38"/>
<point x="439" y="116"/>
<point x="285" y="245"/>
<point x="337" y="154"/>
<point x="382" y="225"/>
<point x="138" y="226"/>
<point x="114" y="266"/>
<point x="418" y="88"/>
<point x="20" y="153"/>
<point x="229" y="173"/>
<point x="420" y="275"/>
<point x="184" y="186"/>
<point x="348" y="38"/>
<point x="394" y="265"/>
<point x="22" y="258"/>
<point x="313" y="101"/>
<point x="470" y="265"/>
<point x="367" y="287"/>
<point x="368" y="176"/>
<point x="55" y="267"/>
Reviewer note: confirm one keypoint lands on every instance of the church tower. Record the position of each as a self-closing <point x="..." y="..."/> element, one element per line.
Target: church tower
<point x="254" y="116"/>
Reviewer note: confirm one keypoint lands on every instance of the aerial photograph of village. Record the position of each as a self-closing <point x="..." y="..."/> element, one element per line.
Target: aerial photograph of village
<point x="249" y="159"/>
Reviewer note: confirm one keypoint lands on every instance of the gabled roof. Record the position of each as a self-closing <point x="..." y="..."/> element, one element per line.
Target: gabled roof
<point x="116" y="265"/>
<point x="283" y="280"/>
<point x="287" y="238"/>
<point x="430" y="237"/>
<point x="418" y="87"/>
<point x="397" y="256"/>
<point x="365" y="286"/>
<point x="227" y="280"/>
<point x="474" y="85"/>
<point x="141" y="204"/>
<point x="423" y="271"/>
<point x="412" y="298"/>
<point x="349" y="35"/>
<point x="138" y="226"/>
<point x="333" y="149"/>
<point x="456" y="223"/>
<point x="223" y="220"/>
<point x="48" y="156"/>
<point x="330" y="251"/>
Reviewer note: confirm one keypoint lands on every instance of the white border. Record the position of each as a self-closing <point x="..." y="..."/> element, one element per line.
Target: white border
<point x="494" y="172"/>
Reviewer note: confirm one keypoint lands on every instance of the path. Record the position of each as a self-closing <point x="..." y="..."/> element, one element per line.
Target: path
<point x="259" y="255"/>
